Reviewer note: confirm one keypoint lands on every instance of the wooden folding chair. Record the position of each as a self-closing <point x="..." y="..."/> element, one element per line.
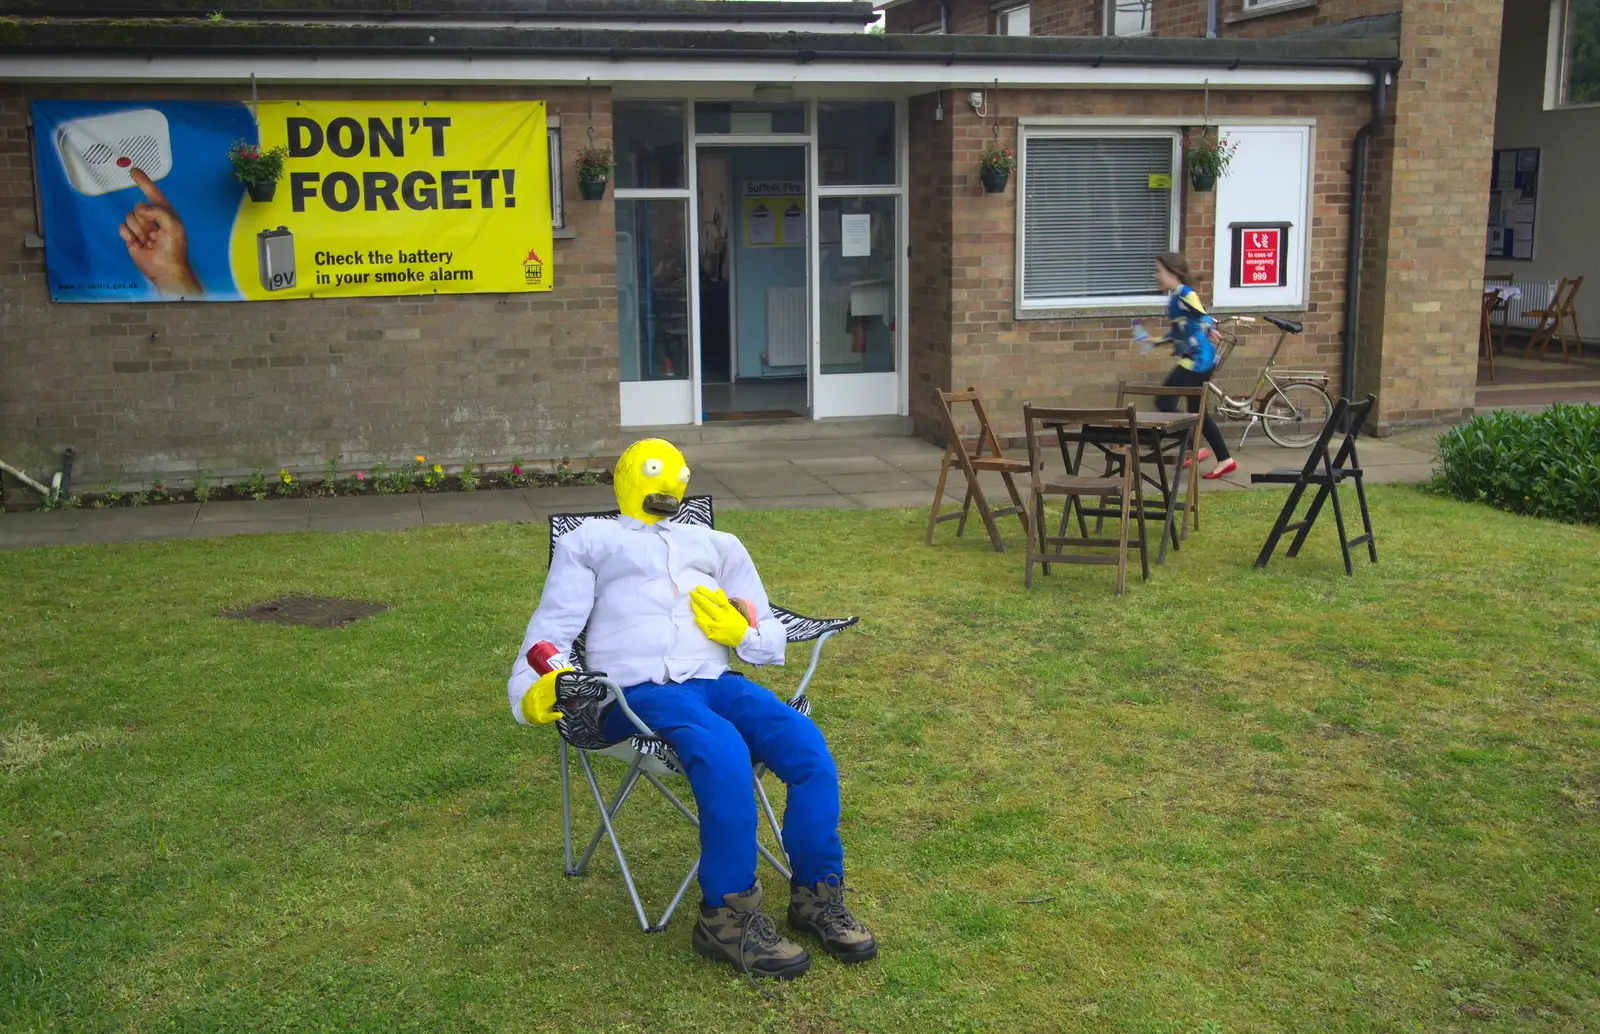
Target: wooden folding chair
<point x="1324" y="473"/>
<point x="1553" y="320"/>
<point x="1491" y="302"/>
<point x="956" y="454"/>
<point x="1503" y="307"/>
<point x="1112" y="429"/>
<point x="1191" y="505"/>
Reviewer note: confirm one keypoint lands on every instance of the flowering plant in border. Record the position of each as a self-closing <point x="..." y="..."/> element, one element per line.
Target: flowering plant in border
<point x="253" y="165"/>
<point x="997" y="159"/>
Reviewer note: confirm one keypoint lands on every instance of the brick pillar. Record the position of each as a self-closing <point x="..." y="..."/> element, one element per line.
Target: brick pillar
<point x="1432" y="245"/>
<point x="929" y="229"/>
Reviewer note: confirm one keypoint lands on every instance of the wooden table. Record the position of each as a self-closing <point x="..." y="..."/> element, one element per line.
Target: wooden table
<point x="1159" y="432"/>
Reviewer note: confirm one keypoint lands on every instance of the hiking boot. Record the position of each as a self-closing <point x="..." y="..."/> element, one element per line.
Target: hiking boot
<point x="740" y="935"/>
<point x="819" y="910"/>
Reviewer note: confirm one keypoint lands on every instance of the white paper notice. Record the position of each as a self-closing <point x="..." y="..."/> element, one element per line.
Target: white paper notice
<point x="794" y="225"/>
<point x="856" y="234"/>
<point x="1522" y="243"/>
<point x="1507" y="177"/>
<point x="763" y="228"/>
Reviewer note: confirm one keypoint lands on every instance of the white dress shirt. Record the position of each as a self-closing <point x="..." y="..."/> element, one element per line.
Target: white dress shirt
<point x="629" y="582"/>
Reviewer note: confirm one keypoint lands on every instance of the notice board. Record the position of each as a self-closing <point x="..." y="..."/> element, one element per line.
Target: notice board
<point x="1513" y="203"/>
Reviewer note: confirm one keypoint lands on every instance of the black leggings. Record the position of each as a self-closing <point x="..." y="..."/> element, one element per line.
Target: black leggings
<point x="1182" y="377"/>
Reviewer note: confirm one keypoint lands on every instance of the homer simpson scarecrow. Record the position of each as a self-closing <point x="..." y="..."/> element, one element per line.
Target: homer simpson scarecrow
<point x="662" y="602"/>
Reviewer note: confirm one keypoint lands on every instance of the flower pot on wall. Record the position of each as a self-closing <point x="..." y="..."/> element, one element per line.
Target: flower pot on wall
<point x="592" y="190"/>
<point x="1203" y="182"/>
<point x="262" y="191"/>
<point x="994" y="180"/>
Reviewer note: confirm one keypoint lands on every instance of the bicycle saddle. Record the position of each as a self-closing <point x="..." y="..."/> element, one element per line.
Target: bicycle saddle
<point x="1288" y="326"/>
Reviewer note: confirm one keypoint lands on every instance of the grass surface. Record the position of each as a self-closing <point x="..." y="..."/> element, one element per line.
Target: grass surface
<point x="1230" y="801"/>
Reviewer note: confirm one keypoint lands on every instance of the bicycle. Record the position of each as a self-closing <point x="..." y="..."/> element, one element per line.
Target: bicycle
<point x="1290" y="405"/>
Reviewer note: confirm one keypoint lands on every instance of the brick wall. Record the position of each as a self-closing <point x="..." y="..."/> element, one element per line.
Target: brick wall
<point x="1080" y="361"/>
<point x="171" y="388"/>
<point x="1444" y="101"/>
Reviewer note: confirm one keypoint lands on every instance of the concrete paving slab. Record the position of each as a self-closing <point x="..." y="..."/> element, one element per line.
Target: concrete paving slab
<point x="286" y="511"/>
<point x="776" y="483"/>
<point x="35" y="539"/>
<point x="40" y="520"/>
<point x="919" y="499"/>
<point x="346" y="507"/>
<point x="831" y="501"/>
<point x="883" y="481"/>
<point x="476" y="508"/>
<point x="569" y="499"/>
<point x="836" y="465"/>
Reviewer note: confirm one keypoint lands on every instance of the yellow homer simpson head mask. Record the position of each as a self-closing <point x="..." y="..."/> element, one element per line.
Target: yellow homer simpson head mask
<point x="650" y="480"/>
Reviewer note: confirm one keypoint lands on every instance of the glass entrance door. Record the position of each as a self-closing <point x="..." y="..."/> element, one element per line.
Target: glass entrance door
<point x="754" y="220"/>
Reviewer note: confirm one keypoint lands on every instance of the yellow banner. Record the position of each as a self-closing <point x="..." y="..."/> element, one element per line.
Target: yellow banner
<point x="399" y="197"/>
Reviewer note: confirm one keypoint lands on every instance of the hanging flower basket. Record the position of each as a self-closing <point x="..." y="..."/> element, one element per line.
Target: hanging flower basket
<point x="258" y="170"/>
<point x="994" y="168"/>
<point x="594" y="171"/>
<point x="1207" y="159"/>
<point x="994" y="180"/>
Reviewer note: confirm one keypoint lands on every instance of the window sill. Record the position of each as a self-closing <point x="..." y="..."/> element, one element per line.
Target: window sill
<point x="1137" y="307"/>
<point x="564" y="233"/>
<point x="1262" y="12"/>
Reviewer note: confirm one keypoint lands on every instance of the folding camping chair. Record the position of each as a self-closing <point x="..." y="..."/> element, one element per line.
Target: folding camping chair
<point x="1325" y="474"/>
<point x="956" y="454"/>
<point x="1191" y="503"/>
<point x="647" y="756"/>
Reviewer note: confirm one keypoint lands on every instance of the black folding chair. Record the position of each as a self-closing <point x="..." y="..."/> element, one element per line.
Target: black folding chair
<point x="1325" y="473"/>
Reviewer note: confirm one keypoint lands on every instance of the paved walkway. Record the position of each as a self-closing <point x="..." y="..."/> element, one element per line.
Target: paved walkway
<point x="863" y="473"/>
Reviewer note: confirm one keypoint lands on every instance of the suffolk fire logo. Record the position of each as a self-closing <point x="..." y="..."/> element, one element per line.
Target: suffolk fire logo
<point x="533" y="269"/>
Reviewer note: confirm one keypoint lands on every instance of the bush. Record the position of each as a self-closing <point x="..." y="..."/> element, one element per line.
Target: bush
<point x="1542" y="464"/>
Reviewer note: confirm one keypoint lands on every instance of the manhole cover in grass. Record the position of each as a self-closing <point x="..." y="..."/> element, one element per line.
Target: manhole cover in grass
<point x="312" y="611"/>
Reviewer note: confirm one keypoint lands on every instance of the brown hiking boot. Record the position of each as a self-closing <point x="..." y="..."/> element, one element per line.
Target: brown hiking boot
<point x="740" y="935"/>
<point x="819" y="910"/>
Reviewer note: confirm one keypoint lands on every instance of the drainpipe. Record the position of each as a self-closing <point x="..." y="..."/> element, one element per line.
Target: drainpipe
<point x="1211" y="19"/>
<point x="944" y="17"/>
<point x="1358" y="189"/>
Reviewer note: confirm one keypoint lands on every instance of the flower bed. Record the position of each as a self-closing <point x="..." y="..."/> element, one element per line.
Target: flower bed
<point x="416" y="476"/>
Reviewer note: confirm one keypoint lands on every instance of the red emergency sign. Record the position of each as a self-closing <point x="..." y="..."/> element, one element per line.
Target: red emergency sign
<point x="1259" y="258"/>
<point x="1262" y="258"/>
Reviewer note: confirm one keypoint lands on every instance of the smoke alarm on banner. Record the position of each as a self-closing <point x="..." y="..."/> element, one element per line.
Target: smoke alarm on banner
<point x="171" y="200"/>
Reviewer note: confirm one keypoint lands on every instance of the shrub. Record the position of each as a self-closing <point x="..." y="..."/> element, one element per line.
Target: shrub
<point x="1542" y="464"/>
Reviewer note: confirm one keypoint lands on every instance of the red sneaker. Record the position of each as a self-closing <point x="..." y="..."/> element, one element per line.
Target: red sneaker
<point x="1222" y="469"/>
<point x="1205" y="454"/>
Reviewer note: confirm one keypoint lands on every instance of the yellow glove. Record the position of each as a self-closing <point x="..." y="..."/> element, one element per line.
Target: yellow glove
<point x="721" y="620"/>
<point x="538" y="704"/>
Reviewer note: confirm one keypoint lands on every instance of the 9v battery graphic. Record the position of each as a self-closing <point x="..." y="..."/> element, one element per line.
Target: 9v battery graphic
<point x="275" y="258"/>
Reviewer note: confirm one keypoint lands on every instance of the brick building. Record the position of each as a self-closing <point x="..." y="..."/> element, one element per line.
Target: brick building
<point x="796" y="229"/>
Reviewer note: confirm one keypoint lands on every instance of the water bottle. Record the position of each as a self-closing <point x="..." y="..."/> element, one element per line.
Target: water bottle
<point x="1141" y="337"/>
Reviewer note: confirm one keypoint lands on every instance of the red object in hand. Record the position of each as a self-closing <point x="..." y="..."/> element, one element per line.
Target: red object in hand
<point x="544" y="658"/>
<point x="746" y="608"/>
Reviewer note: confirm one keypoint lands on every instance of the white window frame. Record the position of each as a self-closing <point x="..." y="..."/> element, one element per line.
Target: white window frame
<point x="929" y="29"/>
<point x="1001" y="13"/>
<point x="1111" y="20"/>
<point x="552" y="133"/>
<point x="1555" y="81"/>
<point x="1251" y="6"/>
<point x="1037" y="308"/>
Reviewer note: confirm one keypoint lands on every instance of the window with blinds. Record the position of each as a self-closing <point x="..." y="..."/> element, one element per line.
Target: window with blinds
<point x="1096" y="211"/>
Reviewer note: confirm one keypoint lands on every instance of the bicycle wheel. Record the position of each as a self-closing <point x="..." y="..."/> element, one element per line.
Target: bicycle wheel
<point x="1294" y="414"/>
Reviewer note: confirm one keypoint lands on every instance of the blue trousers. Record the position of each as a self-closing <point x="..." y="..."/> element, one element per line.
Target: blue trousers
<point x="718" y="728"/>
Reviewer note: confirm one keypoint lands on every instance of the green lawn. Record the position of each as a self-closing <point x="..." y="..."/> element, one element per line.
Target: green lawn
<point x="1230" y="801"/>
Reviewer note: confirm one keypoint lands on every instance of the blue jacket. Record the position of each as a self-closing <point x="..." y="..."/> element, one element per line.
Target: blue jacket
<point x="1191" y="341"/>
